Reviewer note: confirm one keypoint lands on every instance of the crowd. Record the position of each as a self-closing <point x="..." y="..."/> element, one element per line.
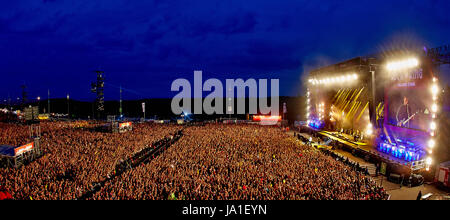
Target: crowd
<point x="234" y="162"/>
<point x="14" y="135"/>
<point x="74" y="158"/>
<point x="214" y="161"/>
<point x="4" y="195"/>
<point x="354" y="165"/>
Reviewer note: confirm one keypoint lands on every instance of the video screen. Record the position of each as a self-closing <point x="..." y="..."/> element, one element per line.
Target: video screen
<point x="409" y="108"/>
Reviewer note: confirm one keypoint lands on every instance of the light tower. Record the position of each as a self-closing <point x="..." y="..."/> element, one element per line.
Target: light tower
<point x="68" y="106"/>
<point x="120" y="103"/>
<point x="98" y="89"/>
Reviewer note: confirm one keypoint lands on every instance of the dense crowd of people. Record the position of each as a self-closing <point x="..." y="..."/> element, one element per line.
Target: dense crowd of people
<point x="14" y="134"/>
<point x="354" y="165"/>
<point x="214" y="161"/>
<point x="74" y="158"/>
<point x="233" y="162"/>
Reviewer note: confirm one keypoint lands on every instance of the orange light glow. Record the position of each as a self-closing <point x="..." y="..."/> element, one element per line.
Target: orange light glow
<point x="266" y="118"/>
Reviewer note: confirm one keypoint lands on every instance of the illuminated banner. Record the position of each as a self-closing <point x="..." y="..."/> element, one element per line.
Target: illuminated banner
<point x="125" y="124"/>
<point x="266" y="118"/>
<point x="22" y="149"/>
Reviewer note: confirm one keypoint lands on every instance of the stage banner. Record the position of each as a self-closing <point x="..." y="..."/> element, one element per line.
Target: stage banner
<point x="125" y="124"/>
<point x="22" y="149"/>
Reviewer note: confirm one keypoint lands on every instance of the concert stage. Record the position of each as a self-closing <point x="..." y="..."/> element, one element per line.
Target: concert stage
<point x="383" y="108"/>
<point x="367" y="151"/>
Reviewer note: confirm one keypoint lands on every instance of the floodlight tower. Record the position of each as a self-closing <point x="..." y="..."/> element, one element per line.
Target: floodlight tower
<point x="98" y="88"/>
<point x="120" y="107"/>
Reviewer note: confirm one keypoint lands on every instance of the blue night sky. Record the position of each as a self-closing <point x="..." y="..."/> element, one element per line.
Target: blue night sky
<point x="145" y="46"/>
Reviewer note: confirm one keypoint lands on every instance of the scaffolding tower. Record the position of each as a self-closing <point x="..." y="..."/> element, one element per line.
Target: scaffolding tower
<point x="98" y="88"/>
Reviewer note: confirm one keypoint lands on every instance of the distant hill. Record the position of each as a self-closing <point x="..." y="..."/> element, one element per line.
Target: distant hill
<point x="159" y="108"/>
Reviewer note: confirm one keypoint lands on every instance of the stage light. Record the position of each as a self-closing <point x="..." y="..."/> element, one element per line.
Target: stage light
<point x="429" y="160"/>
<point x="413" y="62"/>
<point x="434" y="79"/>
<point x="434" y="89"/>
<point x="431" y="143"/>
<point x="369" y="131"/>
<point x="434" y="107"/>
<point x="390" y="66"/>
<point x="433" y="125"/>
<point x="402" y="64"/>
<point x="355" y="76"/>
<point x="433" y="115"/>
<point x="310" y="80"/>
<point x="434" y="97"/>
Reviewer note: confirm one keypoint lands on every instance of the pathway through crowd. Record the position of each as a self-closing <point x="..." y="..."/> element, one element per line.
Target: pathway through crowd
<point x="142" y="157"/>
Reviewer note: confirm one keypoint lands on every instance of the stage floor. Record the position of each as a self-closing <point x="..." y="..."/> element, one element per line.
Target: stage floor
<point x="364" y="146"/>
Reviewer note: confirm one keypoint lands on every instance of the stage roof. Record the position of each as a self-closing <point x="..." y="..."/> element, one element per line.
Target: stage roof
<point x="6" y="150"/>
<point x="353" y="64"/>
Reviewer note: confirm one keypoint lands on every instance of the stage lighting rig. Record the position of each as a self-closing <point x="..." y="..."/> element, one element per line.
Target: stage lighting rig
<point x="402" y="64"/>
